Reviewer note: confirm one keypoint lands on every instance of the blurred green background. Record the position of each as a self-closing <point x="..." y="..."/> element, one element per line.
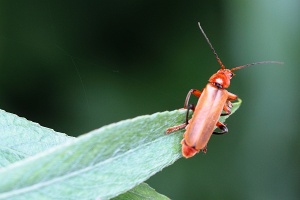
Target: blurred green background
<point x="75" y="66"/>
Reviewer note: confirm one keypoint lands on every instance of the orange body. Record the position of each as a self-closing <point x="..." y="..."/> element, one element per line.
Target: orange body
<point x="204" y="120"/>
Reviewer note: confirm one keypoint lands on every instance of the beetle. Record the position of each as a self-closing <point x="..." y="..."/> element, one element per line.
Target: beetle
<point x="214" y="101"/>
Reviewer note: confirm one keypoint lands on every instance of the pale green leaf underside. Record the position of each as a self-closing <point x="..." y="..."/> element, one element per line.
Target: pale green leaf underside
<point x="101" y="164"/>
<point x="20" y="138"/>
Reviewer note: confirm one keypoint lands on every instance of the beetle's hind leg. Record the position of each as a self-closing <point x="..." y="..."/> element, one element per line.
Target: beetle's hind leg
<point x="222" y="127"/>
<point x="176" y="128"/>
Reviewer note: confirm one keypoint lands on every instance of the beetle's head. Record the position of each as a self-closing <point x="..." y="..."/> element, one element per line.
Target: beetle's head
<point x="221" y="79"/>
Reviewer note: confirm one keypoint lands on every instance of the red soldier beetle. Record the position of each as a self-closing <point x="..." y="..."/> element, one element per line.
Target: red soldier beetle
<point x="213" y="100"/>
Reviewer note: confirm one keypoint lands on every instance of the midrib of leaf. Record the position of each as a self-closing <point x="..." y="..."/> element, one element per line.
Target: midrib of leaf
<point x="139" y="145"/>
<point x="13" y="147"/>
<point x="75" y="173"/>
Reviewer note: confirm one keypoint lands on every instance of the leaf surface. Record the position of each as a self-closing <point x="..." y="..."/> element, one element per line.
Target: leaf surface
<point x="21" y="138"/>
<point x="101" y="164"/>
<point x="142" y="191"/>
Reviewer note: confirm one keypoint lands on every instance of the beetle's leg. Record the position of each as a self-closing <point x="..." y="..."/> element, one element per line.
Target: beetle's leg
<point x="222" y="127"/>
<point x="176" y="128"/>
<point x="189" y="107"/>
<point x="181" y="126"/>
<point x="228" y="105"/>
<point x="232" y="97"/>
<point x="227" y="108"/>
<point x="204" y="150"/>
<point x="195" y="92"/>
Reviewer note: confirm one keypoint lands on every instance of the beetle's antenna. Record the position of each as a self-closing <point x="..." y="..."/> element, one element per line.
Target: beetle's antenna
<point x="212" y="48"/>
<point x="256" y="63"/>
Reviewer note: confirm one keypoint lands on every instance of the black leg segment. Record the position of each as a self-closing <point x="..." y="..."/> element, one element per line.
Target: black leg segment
<point x="190" y="107"/>
<point x="222" y="127"/>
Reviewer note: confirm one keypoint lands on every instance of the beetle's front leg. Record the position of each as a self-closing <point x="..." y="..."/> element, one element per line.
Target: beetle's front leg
<point x="195" y="92"/>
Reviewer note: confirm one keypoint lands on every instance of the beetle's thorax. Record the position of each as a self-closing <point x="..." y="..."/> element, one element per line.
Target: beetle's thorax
<point x="221" y="79"/>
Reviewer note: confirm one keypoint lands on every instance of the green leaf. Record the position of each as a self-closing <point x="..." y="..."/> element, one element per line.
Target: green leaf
<point x="142" y="191"/>
<point x="21" y="138"/>
<point x="101" y="164"/>
<point x="15" y="130"/>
